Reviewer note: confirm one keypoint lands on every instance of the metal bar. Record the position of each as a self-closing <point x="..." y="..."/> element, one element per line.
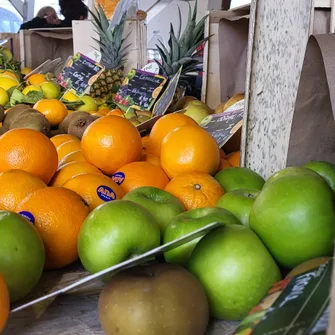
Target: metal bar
<point x="18" y="5"/>
<point x="277" y="45"/>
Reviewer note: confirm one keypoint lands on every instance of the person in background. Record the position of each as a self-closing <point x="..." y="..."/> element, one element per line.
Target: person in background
<point x="70" y="9"/>
<point x="46" y="15"/>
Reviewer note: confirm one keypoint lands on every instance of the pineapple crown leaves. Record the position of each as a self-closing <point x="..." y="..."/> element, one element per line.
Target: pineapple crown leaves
<point x="111" y="43"/>
<point x="183" y="47"/>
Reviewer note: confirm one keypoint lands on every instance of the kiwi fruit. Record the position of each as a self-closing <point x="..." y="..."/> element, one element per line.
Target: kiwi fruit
<point x="79" y="125"/>
<point x="12" y="113"/>
<point x="2" y="113"/>
<point x="64" y="126"/>
<point x="54" y="132"/>
<point x="31" y="120"/>
<point x="3" y="130"/>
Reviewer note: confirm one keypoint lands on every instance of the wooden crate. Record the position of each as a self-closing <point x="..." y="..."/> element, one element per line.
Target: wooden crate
<point x="13" y="44"/>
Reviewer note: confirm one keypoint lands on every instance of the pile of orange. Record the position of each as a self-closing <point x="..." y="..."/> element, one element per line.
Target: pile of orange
<point x="4" y="303"/>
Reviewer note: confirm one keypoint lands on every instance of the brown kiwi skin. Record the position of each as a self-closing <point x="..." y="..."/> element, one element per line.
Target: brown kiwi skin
<point x="78" y="126"/>
<point x="2" y="113"/>
<point x="54" y="132"/>
<point x="64" y="125"/>
<point x="31" y="120"/>
<point x="3" y="130"/>
<point x="12" y="113"/>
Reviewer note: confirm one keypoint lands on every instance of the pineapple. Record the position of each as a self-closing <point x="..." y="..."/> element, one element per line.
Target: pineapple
<point x="113" y="55"/>
<point x="183" y="50"/>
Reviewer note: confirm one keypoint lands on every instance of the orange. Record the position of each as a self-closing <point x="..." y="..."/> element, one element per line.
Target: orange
<point x="62" y="138"/>
<point x="75" y="156"/>
<point x="4" y="303"/>
<point x="110" y="143"/>
<point x="189" y="149"/>
<point x="69" y="170"/>
<point x="146" y="144"/>
<point x="140" y="174"/>
<point x="195" y="190"/>
<point x="67" y="148"/>
<point x="36" y="79"/>
<point x="16" y="185"/>
<point x="58" y="214"/>
<point x="234" y="158"/>
<point x="222" y="154"/>
<point x="103" y="111"/>
<point x="95" y="189"/>
<point x="224" y="164"/>
<point x="149" y="158"/>
<point x="116" y="112"/>
<point x="165" y="125"/>
<point x="53" y="109"/>
<point x="28" y="150"/>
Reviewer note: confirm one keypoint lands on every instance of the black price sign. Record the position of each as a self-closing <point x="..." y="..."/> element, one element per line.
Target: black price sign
<point x="165" y="100"/>
<point x="224" y="125"/>
<point x="140" y="90"/>
<point x="79" y="73"/>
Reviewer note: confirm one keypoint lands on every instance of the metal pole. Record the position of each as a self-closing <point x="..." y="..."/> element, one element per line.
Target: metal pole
<point x="278" y="37"/>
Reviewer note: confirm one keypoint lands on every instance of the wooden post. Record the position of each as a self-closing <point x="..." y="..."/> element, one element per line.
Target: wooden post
<point x="278" y="37"/>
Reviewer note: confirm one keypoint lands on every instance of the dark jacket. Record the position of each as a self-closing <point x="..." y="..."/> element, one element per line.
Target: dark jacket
<point x="37" y="22"/>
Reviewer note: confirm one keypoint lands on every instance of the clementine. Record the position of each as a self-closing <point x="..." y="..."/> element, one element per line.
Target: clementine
<point x="189" y="149"/>
<point x="222" y="154"/>
<point x="62" y="138"/>
<point x="28" y="150"/>
<point x="75" y="156"/>
<point x="36" y="79"/>
<point x="4" y="303"/>
<point x="69" y="170"/>
<point x="67" y="148"/>
<point x="140" y="174"/>
<point x="224" y="164"/>
<point x="149" y="158"/>
<point x="57" y="214"/>
<point x="54" y="110"/>
<point x="195" y="190"/>
<point x="95" y="189"/>
<point x="234" y="158"/>
<point x="110" y="143"/>
<point x="165" y="125"/>
<point x="116" y="112"/>
<point x="16" y="185"/>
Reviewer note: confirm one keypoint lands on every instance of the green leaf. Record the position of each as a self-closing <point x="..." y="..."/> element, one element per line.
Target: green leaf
<point x="174" y="45"/>
<point x="31" y="98"/>
<point x="180" y="23"/>
<point x="72" y="105"/>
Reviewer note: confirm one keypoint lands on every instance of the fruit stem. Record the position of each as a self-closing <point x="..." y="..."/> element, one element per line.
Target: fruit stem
<point x="197" y="187"/>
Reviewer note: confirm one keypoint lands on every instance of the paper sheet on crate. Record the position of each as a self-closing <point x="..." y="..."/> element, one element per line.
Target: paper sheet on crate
<point x="80" y="277"/>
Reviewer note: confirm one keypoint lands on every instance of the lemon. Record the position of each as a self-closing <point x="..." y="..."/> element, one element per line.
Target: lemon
<point x="26" y="70"/>
<point x="8" y="73"/>
<point x="31" y="88"/>
<point x="50" y="90"/>
<point x="71" y="97"/>
<point x="7" y="82"/>
<point x="4" y="98"/>
<point x="89" y="104"/>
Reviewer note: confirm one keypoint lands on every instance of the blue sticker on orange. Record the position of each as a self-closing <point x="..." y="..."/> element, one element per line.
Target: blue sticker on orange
<point x="28" y="216"/>
<point x="118" y="178"/>
<point x="105" y="193"/>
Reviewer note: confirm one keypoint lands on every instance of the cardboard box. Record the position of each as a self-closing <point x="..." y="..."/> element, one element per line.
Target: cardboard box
<point x="13" y="44"/>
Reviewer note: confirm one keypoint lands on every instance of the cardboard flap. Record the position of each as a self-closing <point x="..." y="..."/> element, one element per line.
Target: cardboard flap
<point x="327" y="46"/>
<point x="313" y="127"/>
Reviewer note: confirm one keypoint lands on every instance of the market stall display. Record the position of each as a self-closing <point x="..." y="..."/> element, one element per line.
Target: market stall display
<point x="119" y="190"/>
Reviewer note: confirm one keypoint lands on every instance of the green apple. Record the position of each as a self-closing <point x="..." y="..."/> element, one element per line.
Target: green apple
<point x="235" y="269"/>
<point x="115" y="232"/>
<point x="235" y="178"/>
<point x="162" y="205"/>
<point x="239" y="202"/>
<point x="325" y="169"/>
<point x="22" y="254"/>
<point x="292" y="170"/>
<point x="188" y="222"/>
<point x="89" y="104"/>
<point x="294" y="216"/>
<point x="197" y="113"/>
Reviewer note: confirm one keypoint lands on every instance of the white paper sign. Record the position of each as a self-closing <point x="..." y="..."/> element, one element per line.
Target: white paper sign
<point x="151" y="67"/>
